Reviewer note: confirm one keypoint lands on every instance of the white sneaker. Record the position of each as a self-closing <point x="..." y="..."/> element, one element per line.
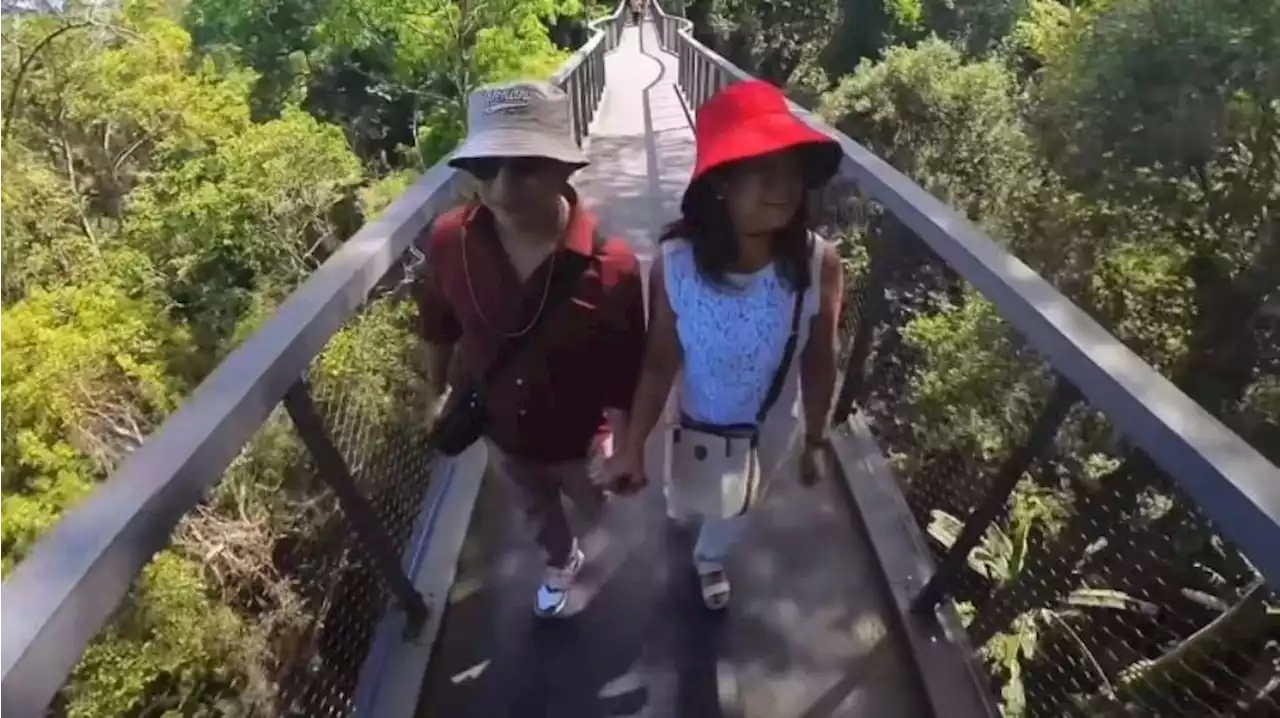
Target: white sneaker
<point x="553" y="594"/>
<point x="715" y="587"/>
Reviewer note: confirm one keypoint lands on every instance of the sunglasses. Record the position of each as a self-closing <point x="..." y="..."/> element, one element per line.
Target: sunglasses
<point x="486" y="169"/>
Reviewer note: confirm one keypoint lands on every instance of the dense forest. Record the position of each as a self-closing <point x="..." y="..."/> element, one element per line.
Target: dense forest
<point x="174" y="168"/>
<point x="1129" y="152"/>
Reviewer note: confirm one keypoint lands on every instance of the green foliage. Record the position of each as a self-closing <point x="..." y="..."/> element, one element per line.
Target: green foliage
<point x="275" y="37"/>
<point x="204" y="221"/>
<point x="1048" y="31"/>
<point x="1149" y="294"/>
<point x="967" y="350"/>
<point x="28" y="514"/>
<point x="377" y="196"/>
<point x="907" y="15"/>
<point x="953" y="125"/>
<point x="391" y="73"/>
<point x="44" y="242"/>
<point x="89" y="368"/>
<point x="1129" y="152"/>
<point x="977" y="25"/>
<point x="173" y="171"/>
<point x="1188" y="69"/>
<point x="770" y="38"/>
<point x="367" y="362"/>
<point x="191" y="646"/>
<point x="171" y="179"/>
<point x="1000" y="558"/>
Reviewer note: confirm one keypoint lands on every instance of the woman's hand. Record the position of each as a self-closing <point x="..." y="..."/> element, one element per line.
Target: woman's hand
<point x="815" y="461"/>
<point x="624" y="472"/>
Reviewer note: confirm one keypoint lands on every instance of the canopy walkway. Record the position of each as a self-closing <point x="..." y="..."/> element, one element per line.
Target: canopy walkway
<point x="418" y="579"/>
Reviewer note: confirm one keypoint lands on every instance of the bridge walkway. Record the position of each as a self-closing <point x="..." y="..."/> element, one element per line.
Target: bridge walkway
<point x="808" y="633"/>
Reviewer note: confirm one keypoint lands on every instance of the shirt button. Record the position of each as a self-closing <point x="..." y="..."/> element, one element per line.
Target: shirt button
<point x="522" y="412"/>
<point x="519" y="382"/>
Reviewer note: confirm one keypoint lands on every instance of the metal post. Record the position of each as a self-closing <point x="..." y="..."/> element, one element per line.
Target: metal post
<point x="854" y="385"/>
<point x="332" y="469"/>
<point x="1042" y="434"/>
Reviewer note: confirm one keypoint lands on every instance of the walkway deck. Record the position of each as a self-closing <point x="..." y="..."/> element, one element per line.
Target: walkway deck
<point x="807" y="634"/>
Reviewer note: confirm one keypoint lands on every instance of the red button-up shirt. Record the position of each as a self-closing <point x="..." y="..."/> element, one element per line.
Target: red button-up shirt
<point x="547" y="404"/>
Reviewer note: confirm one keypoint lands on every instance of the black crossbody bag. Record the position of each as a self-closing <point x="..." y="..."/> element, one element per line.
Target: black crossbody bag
<point x="465" y="419"/>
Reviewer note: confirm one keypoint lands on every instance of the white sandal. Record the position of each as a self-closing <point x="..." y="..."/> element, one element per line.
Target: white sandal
<point x="715" y="588"/>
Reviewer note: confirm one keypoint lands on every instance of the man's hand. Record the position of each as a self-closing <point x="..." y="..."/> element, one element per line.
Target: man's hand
<point x="436" y="402"/>
<point x="436" y="360"/>
<point x="624" y="473"/>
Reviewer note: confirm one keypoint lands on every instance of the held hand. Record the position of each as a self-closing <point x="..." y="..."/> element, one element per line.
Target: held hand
<point x="815" y="462"/>
<point x="624" y="473"/>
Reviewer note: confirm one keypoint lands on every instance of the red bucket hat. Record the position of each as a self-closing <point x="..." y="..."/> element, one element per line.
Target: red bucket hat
<point x="749" y="119"/>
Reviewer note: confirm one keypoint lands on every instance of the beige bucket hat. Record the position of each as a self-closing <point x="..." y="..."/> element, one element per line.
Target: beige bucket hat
<point x="519" y="119"/>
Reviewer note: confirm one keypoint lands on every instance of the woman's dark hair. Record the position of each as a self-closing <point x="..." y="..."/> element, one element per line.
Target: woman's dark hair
<point x="707" y="227"/>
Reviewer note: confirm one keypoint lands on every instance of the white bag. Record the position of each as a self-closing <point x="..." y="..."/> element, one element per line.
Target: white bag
<point x="715" y="470"/>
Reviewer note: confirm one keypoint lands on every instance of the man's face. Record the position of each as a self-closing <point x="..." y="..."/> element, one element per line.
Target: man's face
<point x="520" y="190"/>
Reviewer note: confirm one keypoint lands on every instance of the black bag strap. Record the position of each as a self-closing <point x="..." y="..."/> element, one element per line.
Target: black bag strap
<point x="566" y="273"/>
<point x="780" y="375"/>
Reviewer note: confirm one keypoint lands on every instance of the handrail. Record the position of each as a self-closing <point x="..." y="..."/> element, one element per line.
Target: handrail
<point x="1219" y="486"/>
<point x="63" y="593"/>
<point x="1236" y="487"/>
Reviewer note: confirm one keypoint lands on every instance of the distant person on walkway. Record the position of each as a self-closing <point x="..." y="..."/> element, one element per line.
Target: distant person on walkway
<point x="637" y="11"/>
<point x="534" y="317"/>
<point x="742" y="298"/>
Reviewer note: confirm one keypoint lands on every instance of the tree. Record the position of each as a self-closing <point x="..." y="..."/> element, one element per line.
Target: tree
<point x="256" y="214"/>
<point x="771" y="38"/>
<point x="148" y="219"/>
<point x="392" y="73"/>
<point x="1128" y="152"/>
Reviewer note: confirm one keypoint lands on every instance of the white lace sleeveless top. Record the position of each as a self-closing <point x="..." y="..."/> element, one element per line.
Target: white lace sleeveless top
<point x="733" y="339"/>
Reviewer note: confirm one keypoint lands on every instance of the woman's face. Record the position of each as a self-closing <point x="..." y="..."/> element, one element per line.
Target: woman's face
<point x="763" y="193"/>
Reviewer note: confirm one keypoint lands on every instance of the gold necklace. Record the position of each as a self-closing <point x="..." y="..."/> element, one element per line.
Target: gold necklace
<point x="542" y="303"/>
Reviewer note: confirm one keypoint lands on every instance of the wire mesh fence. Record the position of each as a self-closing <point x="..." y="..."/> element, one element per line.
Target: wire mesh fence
<point x="371" y="397"/>
<point x="1099" y="589"/>
<point x="266" y="601"/>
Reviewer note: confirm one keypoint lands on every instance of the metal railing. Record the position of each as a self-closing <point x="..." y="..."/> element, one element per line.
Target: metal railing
<point x="1110" y="545"/>
<point x="330" y="385"/>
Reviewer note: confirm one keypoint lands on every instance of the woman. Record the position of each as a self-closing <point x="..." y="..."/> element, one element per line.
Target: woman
<point x="739" y="274"/>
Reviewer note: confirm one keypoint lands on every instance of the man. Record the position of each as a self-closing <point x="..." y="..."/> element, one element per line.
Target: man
<point x="489" y="284"/>
<point x="637" y="7"/>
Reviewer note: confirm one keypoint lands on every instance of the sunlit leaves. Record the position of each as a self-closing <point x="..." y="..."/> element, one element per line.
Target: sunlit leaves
<point x="772" y="38"/>
<point x="145" y="216"/>
<point x="438" y="50"/>
<point x="192" y="640"/>
<point x="394" y="72"/>
<point x="1129" y="152"/>
<point x="90" y="366"/>
<point x="951" y="124"/>
<point x="254" y="212"/>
